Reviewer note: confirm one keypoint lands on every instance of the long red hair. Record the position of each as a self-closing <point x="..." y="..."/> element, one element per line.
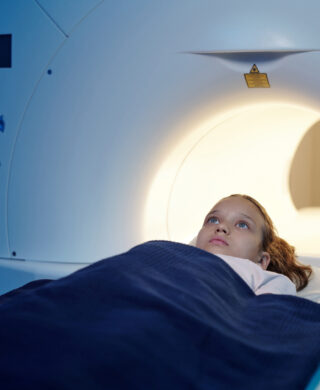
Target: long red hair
<point x="283" y="259"/>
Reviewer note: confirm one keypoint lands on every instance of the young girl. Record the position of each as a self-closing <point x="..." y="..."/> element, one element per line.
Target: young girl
<point x="239" y="228"/>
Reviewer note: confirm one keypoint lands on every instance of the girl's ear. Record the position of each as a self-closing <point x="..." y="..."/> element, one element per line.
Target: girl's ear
<point x="264" y="260"/>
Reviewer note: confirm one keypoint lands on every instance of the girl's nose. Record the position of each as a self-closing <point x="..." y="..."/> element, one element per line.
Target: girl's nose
<point x="222" y="228"/>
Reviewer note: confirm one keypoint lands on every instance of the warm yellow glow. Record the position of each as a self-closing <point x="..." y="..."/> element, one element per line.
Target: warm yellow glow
<point x="247" y="150"/>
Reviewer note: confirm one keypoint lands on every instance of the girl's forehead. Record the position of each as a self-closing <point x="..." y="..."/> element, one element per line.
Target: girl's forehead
<point x="239" y="205"/>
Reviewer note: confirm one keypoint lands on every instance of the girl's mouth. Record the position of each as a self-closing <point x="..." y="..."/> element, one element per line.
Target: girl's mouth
<point x="218" y="241"/>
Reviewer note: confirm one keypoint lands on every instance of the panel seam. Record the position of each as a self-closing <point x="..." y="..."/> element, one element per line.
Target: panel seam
<point x="51" y="18"/>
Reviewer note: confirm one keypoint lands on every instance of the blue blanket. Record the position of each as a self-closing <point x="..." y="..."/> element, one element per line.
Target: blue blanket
<point x="163" y="315"/>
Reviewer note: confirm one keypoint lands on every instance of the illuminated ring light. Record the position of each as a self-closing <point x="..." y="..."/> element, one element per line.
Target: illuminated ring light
<point x="248" y="150"/>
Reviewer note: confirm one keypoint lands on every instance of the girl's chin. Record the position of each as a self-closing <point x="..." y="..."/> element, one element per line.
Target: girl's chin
<point x="220" y="250"/>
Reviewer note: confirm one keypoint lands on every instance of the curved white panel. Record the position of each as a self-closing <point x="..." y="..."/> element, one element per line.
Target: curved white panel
<point x="80" y="171"/>
<point x="34" y="40"/>
<point x="122" y="94"/>
<point x="66" y="14"/>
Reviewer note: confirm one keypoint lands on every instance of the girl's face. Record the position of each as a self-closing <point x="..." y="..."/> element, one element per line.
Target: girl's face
<point x="234" y="227"/>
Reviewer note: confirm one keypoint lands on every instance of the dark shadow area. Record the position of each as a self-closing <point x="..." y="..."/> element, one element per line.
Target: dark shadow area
<point x="304" y="176"/>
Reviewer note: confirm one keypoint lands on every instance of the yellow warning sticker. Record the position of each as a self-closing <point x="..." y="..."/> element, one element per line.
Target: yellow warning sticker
<point x="255" y="79"/>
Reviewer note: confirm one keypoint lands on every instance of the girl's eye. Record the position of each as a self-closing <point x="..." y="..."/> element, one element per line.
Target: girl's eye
<point x="213" y="220"/>
<point x="242" y="225"/>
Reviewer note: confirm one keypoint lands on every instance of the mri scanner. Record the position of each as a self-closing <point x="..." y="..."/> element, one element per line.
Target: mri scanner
<point x="125" y="121"/>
